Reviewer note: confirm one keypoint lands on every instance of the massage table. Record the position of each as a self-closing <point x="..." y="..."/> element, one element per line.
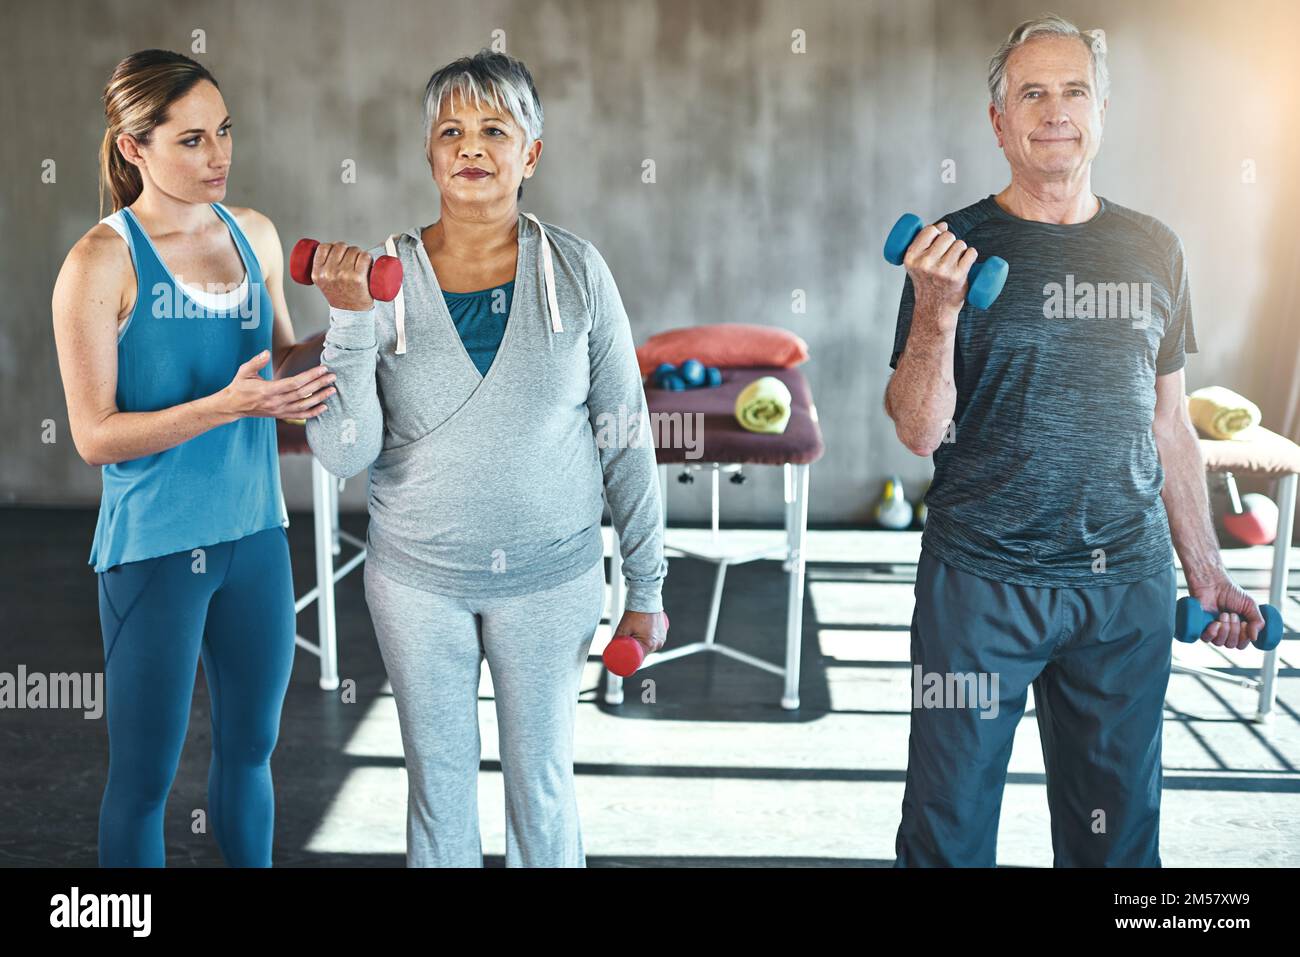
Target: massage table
<point x="725" y="446"/>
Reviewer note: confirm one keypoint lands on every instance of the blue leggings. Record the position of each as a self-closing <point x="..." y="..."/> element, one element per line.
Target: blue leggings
<point x="231" y="603"/>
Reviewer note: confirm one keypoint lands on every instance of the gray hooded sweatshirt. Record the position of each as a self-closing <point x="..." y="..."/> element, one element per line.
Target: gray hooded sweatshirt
<point x="495" y="485"/>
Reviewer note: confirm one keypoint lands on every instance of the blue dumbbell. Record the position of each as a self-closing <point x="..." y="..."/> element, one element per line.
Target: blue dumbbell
<point x="1190" y="619"/>
<point x="668" y="373"/>
<point x="693" y="373"/>
<point x="986" y="279"/>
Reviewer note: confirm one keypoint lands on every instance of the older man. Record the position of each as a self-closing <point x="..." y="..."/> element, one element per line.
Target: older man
<point x="1064" y="463"/>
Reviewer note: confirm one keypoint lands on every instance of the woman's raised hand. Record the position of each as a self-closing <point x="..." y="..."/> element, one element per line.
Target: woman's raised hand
<point x="343" y="274"/>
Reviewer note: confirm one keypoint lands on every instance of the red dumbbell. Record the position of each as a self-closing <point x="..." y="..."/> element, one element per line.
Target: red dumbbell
<point x="385" y="272"/>
<point x="623" y="655"/>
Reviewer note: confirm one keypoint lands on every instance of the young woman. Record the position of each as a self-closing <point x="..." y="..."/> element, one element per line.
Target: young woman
<point x="167" y="317"/>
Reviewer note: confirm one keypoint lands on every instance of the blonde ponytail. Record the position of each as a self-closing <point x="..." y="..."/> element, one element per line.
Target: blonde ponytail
<point x="120" y="179"/>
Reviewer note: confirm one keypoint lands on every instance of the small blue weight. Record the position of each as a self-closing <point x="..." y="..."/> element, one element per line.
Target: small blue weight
<point x="985" y="280"/>
<point x="901" y="236"/>
<point x="693" y="373"/>
<point x="1190" y="619"/>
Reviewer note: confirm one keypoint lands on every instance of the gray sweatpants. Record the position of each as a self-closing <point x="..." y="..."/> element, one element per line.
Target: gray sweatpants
<point x="536" y="646"/>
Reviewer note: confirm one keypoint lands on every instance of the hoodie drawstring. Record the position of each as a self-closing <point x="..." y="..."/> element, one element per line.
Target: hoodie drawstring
<point x="556" y="326"/>
<point x="399" y="304"/>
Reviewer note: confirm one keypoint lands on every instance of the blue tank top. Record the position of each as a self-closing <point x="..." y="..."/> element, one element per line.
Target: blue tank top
<point x="220" y="485"/>
<point x="480" y="318"/>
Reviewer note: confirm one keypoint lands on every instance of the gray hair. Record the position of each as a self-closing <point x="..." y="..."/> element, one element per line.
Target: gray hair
<point x="1048" y="25"/>
<point x="487" y="77"/>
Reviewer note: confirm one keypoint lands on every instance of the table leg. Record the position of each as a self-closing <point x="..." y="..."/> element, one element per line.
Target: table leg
<point x="1277" y="596"/>
<point x="324" y="518"/>
<point x="797" y="478"/>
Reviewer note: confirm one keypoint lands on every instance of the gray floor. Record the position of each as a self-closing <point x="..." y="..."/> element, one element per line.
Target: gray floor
<point x="712" y="771"/>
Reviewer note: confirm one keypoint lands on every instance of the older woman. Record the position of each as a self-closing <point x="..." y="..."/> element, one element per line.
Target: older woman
<point x="476" y="398"/>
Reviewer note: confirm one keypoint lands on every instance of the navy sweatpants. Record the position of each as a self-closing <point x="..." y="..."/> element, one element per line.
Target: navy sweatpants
<point x="1099" y="661"/>
<point x="233" y="607"/>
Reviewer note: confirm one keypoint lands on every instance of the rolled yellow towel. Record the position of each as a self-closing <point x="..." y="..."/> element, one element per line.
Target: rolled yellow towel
<point x="1220" y="413"/>
<point x="764" y="405"/>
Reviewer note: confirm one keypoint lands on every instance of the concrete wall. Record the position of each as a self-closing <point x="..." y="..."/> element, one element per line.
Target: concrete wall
<point x="776" y="172"/>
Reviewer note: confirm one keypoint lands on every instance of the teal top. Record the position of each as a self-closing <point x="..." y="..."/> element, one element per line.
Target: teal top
<point x="224" y="483"/>
<point x="480" y="319"/>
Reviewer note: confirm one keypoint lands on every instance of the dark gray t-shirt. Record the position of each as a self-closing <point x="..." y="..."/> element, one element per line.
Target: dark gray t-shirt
<point x="1049" y="475"/>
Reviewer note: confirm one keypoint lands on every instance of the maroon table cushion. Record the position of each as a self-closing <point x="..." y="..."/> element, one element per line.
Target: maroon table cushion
<point x="721" y="438"/>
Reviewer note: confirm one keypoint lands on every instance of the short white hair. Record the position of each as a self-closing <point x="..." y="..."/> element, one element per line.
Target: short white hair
<point x="486" y="77"/>
<point x="1048" y="25"/>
